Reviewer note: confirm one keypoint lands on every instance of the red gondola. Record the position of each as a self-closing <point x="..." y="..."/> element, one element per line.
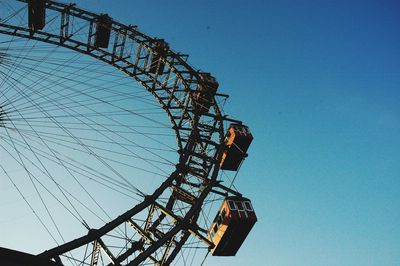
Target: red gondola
<point x="237" y="142"/>
<point x="36" y="14"/>
<point x="156" y="63"/>
<point x="103" y="31"/>
<point x="205" y="93"/>
<point x="231" y="226"/>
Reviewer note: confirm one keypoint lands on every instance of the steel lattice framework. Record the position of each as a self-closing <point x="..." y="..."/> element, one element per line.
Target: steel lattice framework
<point x="200" y="138"/>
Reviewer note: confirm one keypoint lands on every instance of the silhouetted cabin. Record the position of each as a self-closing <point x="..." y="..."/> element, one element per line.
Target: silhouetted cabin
<point x="237" y="142"/>
<point x="103" y="31"/>
<point x="205" y="92"/>
<point x="156" y="63"/>
<point x="36" y="14"/>
<point x="231" y="226"/>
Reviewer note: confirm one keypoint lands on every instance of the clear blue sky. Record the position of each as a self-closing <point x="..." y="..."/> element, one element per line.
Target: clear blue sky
<point x="318" y="84"/>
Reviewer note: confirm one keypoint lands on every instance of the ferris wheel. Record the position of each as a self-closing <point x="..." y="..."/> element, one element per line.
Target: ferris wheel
<point x="106" y="129"/>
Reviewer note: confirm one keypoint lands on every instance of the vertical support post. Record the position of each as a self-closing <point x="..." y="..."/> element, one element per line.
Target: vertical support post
<point x="64" y="29"/>
<point x="95" y="253"/>
<point x="90" y="36"/>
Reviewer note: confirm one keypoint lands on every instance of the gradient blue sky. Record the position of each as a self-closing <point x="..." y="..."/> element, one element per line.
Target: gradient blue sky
<point x="318" y="84"/>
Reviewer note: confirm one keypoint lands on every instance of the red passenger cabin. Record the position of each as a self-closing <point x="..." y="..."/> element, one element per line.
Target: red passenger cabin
<point x="237" y="141"/>
<point x="156" y="63"/>
<point x="231" y="226"/>
<point x="103" y="31"/>
<point x="205" y="92"/>
<point x="36" y="14"/>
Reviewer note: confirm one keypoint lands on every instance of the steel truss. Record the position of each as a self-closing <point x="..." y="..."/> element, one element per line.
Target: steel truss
<point x="160" y="236"/>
